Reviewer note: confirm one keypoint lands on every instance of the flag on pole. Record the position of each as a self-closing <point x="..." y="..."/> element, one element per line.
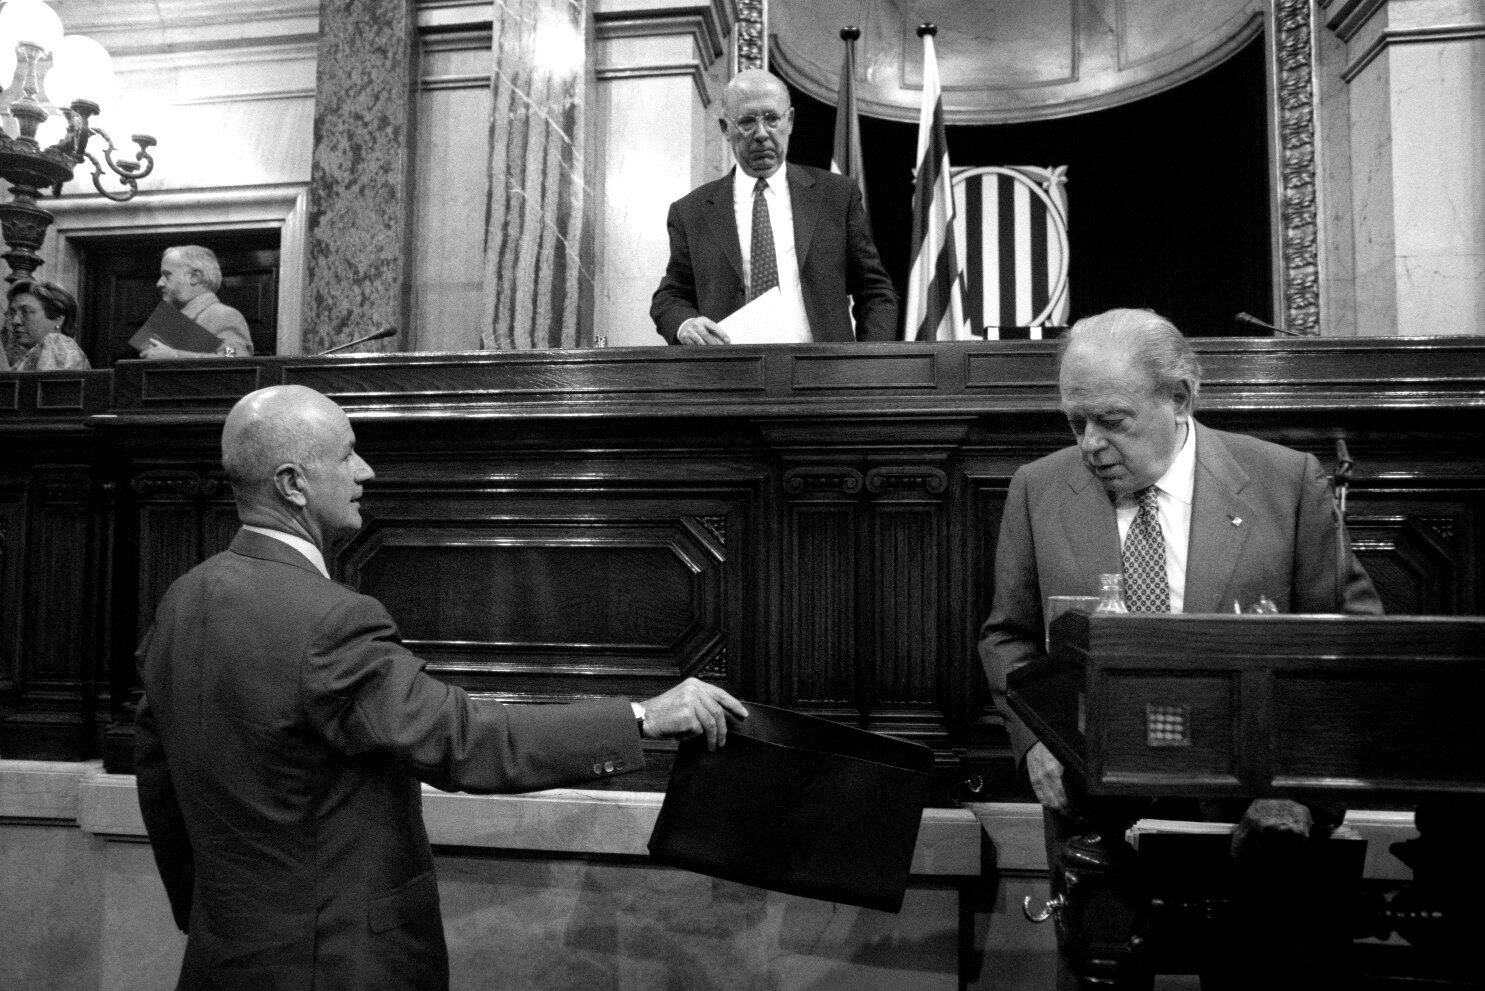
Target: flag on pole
<point x="846" y="159"/>
<point x="935" y="298"/>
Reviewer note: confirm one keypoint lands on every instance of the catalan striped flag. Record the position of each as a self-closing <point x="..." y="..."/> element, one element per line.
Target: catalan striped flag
<point x="1010" y="221"/>
<point x="935" y="301"/>
<point x="846" y="159"/>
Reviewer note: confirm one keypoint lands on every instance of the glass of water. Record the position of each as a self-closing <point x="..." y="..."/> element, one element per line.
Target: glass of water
<point x="1059" y="604"/>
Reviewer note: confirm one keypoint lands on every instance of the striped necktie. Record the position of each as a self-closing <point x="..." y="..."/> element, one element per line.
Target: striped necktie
<point x="763" y="264"/>
<point x="1145" y="586"/>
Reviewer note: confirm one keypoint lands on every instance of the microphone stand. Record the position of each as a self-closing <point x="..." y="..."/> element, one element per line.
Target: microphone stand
<point x="1340" y="481"/>
<point x="1249" y="320"/>
<point x="384" y="332"/>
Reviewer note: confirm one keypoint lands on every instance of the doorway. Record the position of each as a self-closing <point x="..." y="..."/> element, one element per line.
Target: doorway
<point x="117" y="286"/>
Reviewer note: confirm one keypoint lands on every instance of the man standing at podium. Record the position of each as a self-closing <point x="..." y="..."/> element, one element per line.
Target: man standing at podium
<point x="766" y="225"/>
<point x="1196" y="519"/>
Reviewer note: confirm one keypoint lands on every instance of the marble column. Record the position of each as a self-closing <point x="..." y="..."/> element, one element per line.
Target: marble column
<point x="356" y="280"/>
<point x="1417" y="160"/>
<point x="659" y="70"/>
<point x="538" y="269"/>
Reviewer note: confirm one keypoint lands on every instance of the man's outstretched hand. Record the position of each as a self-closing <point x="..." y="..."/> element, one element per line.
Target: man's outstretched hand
<point x="690" y="709"/>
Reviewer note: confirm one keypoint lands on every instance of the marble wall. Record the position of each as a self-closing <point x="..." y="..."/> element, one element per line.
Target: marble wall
<point x="654" y="72"/>
<point x="1415" y="104"/>
<point x="550" y="891"/>
<point x="538" y="283"/>
<point x="660" y="73"/>
<point x="359" y="189"/>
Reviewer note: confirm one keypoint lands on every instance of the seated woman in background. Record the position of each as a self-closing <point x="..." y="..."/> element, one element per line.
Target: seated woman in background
<point x="43" y="316"/>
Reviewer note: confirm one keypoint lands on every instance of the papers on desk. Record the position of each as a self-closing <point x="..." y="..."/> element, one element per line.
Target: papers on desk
<point x="765" y="320"/>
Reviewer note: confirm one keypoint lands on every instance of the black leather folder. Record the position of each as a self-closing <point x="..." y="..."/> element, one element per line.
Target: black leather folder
<point x="169" y="325"/>
<point x="799" y="805"/>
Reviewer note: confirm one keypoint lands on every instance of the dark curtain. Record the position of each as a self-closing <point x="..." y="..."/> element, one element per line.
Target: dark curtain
<point x="1168" y="197"/>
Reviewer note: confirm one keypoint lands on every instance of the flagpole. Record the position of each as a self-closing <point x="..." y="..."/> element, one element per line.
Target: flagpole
<point x="935" y="302"/>
<point x="846" y="158"/>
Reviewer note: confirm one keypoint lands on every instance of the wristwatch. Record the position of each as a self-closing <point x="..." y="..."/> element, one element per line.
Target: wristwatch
<point x="639" y="716"/>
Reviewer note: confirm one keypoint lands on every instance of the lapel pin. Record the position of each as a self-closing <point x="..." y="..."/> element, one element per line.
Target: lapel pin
<point x="1236" y="520"/>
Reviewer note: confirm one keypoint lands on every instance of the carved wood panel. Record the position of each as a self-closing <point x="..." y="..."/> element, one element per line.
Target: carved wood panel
<point x="866" y="557"/>
<point x="635" y="575"/>
<point x="819" y="622"/>
<point x="1421" y="548"/>
<point x="516" y="604"/>
<point x="183" y="516"/>
<point x="813" y="526"/>
<point x="56" y="630"/>
<point x="12" y="517"/>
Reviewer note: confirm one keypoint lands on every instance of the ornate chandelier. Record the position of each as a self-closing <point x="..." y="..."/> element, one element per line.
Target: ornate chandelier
<point x="54" y="87"/>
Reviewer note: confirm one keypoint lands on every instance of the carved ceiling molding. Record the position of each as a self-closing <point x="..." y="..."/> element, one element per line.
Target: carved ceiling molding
<point x="1298" y="254"/>
<point x="752" y="29"/>
<point x="1013" y="60"/>
<point x="179" y="29"/>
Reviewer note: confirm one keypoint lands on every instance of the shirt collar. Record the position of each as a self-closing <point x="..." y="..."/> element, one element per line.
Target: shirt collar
<point x="297" y="542"/>
<point x="743" y="184"/>
<point x="1179" y="480"/>
<point x="196" y="304"/>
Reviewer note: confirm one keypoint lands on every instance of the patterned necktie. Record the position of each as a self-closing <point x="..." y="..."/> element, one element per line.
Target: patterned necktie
<point x="1145" y="585"/>
<point x="764" y="266"/>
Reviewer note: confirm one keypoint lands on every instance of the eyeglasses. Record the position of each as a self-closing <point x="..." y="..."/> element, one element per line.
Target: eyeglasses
<point x="748" y="123"/>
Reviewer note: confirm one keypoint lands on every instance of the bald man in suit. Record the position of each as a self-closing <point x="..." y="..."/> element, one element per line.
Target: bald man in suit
<point x="1234" y="519"/>
<point x="819" y="253"/>
<point x="284" y="732"/>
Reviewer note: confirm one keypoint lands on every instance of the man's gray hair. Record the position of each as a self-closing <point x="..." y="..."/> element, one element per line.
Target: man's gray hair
<point x="1149" y="338"/>
<point x="199" y="259"/>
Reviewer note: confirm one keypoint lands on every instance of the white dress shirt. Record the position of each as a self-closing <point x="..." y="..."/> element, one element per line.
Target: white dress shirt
<point x="781" y="219"/>
<point x="1173" y="492"/>
<point x="297" y="542"/>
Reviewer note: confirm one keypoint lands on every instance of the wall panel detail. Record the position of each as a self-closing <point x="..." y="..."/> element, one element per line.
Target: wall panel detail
<point x="555" y="526"/>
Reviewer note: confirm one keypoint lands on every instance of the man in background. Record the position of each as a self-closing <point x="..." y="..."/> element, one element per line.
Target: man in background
<point x="768" y="224"/>
<point x="1196" y="520"/>
<point x="284" y="731"/>
<point x="189" y="279"/>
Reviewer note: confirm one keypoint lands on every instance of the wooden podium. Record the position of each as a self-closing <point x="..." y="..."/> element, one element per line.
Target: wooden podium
<point x="1358" y="709"/>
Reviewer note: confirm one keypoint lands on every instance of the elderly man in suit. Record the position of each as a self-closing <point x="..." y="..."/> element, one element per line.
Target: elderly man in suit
<point x="1196" y="519"/>
<point x="769" y="224"/>
<point x="284" y="731"/>
<point x="190" y="276"/>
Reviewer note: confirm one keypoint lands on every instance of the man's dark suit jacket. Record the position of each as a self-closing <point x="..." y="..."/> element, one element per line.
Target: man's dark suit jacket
<point x="1261" y="525"/>
<point x="832" y="240"/>
<point x="281" y="738"/>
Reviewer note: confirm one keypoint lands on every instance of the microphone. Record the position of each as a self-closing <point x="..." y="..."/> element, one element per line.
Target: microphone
<point x="1339" y="483"/>
<point x="1249" y="320"/>
<point x="385" y="332"/>
<point x="1341" y="479"/>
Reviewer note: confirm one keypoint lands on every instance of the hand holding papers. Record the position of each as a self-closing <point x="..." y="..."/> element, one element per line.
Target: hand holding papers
<point x="167" y="325"/>
<point x="765" y="320"/>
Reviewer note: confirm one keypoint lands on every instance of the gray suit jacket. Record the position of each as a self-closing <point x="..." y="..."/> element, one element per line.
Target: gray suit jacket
<point x="1261" y="525"/>
<point x="832" y="239"/>
<point x="281" y="739"/>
